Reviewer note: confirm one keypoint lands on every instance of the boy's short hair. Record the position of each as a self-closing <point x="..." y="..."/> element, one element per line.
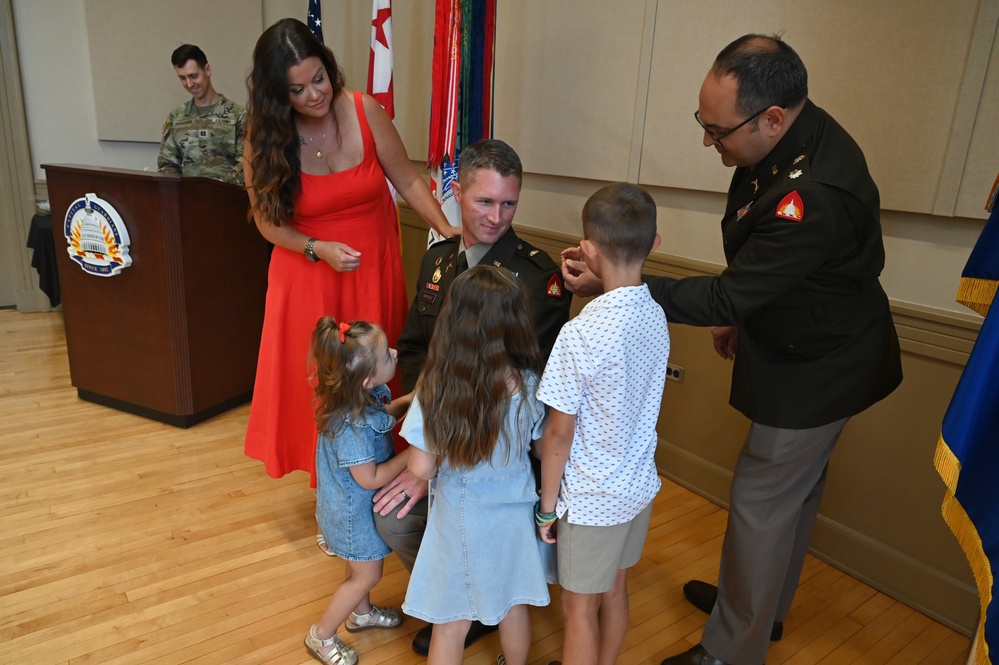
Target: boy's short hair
<point x="621" y="220"/>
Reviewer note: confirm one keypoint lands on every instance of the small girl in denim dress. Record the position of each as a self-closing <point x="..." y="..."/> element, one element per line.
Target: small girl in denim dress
<point x="471" y="425"/>
<point x="354" y="458"/>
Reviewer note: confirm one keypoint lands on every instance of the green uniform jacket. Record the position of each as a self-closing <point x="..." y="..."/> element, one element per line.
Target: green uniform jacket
<point x="206" y="142"/>
<point x="534" y="267"/>
<point x="802" y="239"/>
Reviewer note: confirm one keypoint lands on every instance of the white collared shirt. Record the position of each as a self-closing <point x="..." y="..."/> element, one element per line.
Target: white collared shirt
<point x="608" y="367"/>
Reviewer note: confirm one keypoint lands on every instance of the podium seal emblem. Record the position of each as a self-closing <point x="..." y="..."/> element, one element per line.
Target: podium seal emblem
<point x="96" y="237"/>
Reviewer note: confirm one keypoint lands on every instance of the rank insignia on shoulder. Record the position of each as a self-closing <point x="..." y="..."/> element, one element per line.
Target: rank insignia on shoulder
<point x="533" y="252"/>
<point x="554" y="287"/>
<point x="794" y="174"/>
<point x="791" y="207"/>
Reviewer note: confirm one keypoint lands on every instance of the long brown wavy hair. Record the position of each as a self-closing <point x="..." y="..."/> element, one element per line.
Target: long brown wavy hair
<point x="274" y="140"/>
<point x="483" y="337"/>
<point x="339" y="370"/>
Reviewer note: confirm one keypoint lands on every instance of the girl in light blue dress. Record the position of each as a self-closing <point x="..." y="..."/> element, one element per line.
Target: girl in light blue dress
<point x="354" y="458"/>
<point x="473" y="419"/>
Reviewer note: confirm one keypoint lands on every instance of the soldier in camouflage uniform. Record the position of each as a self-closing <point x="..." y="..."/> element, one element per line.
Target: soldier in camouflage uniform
<point x="203" y="137"/>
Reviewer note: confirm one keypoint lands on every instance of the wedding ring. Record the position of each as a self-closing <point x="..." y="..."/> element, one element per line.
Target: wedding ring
<point x="404" y="495"/>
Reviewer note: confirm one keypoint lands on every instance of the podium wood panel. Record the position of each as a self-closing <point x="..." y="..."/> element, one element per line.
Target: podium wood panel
<point x="175" y="335"/>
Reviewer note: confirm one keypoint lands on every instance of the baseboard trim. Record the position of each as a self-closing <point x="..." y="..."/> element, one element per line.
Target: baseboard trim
<point x="844" y="548"/>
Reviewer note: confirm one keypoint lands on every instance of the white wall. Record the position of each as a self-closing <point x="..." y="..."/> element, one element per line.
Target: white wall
<point x="925" y="253"/>
<point x="59" y="91"/>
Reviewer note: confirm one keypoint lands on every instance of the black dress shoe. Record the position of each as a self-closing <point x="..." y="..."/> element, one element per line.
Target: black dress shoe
<point x="421" y="643"/>
<point x="695" y="656"/>
<point x="703" y="596"/>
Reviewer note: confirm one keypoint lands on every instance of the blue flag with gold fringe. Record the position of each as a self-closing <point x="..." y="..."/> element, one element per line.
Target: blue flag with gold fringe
<point x="967" y="456"/>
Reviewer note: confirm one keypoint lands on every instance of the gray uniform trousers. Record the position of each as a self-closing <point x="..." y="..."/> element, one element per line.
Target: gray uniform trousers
<point x="404" y="535"/>
<point x="774" y="501"/>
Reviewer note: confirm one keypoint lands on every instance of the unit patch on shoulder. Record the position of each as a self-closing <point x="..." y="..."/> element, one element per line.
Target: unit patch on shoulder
<point x="554" y="287"/>
<point x="791" y="207"/>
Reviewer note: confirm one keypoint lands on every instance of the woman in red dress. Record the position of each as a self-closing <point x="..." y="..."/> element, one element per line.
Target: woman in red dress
<point x="316" y="160"/>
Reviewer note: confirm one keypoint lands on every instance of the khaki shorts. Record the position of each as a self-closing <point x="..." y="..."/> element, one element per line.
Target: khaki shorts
<point x="589" y="557"/>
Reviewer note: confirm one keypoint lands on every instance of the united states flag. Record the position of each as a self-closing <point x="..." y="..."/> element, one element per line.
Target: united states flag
<point x="315" y="19"/>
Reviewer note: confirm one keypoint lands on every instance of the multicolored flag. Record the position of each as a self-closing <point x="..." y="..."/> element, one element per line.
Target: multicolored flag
<point x="967" y="456"/>
<point x="461" y="105"/>
<point x="315" y="19"/>
<point x="380" y="58"/>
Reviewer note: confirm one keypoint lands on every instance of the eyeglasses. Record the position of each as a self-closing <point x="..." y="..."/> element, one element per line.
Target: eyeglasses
<point x="717" y="138"/>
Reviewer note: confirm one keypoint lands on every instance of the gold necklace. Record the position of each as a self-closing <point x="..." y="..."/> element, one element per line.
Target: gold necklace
<point x="319" y="149"/>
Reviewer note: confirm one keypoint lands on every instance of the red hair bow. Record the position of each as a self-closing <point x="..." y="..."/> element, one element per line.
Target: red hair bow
<point x="344" y="327"/>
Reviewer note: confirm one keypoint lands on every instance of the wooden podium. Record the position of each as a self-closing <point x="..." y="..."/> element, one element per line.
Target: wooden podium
<point x="173" y="336"/>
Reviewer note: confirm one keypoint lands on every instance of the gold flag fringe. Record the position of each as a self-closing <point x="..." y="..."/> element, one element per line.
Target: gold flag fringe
<point x="977" y="293"/>
<point x="949" y="468"/>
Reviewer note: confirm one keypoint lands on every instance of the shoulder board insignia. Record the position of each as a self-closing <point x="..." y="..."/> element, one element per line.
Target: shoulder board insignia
<point x="554" y="287"/>
<point x="533" y="252"/>
<point x="794" y="174"/>
<point x="791" y="207"/>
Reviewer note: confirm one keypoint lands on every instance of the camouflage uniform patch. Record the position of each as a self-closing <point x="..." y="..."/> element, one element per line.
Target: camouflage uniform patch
<point x="206" y="142"/>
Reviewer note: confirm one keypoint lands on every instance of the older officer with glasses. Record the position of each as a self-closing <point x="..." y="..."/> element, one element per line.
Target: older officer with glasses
<point x="801" y="312"/>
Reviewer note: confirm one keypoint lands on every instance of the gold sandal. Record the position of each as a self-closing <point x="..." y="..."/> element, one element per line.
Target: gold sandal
<point x="340" y="654"/>
<point x="377" y="617"/>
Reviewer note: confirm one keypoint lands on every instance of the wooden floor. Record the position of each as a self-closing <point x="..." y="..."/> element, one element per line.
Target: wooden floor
<point x="126" y="541"/>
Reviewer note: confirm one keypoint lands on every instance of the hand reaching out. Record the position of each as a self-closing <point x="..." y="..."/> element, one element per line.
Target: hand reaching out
<point x="577" y="276"/>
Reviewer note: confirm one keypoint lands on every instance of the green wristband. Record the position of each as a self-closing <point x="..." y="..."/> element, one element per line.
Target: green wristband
<point x="544" y="519"/>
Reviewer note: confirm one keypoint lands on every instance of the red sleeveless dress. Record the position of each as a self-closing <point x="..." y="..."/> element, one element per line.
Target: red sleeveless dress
<point x="353" y="207"/>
